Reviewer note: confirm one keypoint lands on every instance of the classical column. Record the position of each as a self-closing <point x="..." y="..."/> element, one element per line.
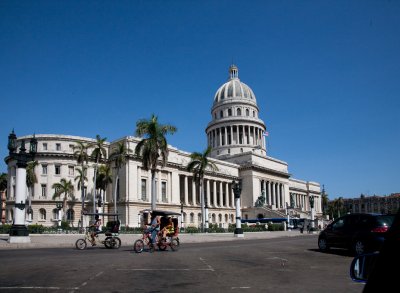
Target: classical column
<point x="226" y="194"/>
<point x="214" y="203"/>
<point x="186" y="190"/>
<point x="194" y="197"/>
<point x="221" y="194"/>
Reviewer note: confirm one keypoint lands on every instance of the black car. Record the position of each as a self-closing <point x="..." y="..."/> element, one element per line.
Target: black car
<point x="360" y="233"/>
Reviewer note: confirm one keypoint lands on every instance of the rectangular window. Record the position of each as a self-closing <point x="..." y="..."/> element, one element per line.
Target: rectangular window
<point x="44" y="169"/>
<point x="164" y="191"/>
<point x="45" y="146"/>
<point x="144" y="190"/>
<point x="44" y="190"/>
<point x="71" y="148"/>
<point x="57" y="169"/>
<point x="71" y="170"/>
<point x="58" y="146"/>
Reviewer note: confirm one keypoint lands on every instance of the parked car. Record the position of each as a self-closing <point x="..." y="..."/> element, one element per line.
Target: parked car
<point x="360" y="233"/>
<point x="380" y="270"/>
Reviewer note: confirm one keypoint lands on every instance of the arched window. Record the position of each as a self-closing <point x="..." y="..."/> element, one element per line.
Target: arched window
<point x="220" y="218"/>
<point x="42" y="214"/>
<point x="199" y="218"/>
<point x="213" y="218"/>
<point x="55" y="214"/>
<point x="229" y="112"/>
<point x="191" y="217"/>
<point x="238" y="112"/>
<point x="70" y="215"/>
<point x="226" y="218"/>
<point x="247" y="112"/>
<point x="254" y="113"/>
<point x="221" y="114"/>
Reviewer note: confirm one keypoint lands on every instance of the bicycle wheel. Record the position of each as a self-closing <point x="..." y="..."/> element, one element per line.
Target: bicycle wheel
<point x="138" y="246"/>
<point x="115" y="242"/>
<point x="80" y="244"/>
<point x="162" y="245"/>
<point x="174" y="244"/>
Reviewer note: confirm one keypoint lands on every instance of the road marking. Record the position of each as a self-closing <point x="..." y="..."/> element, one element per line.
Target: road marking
<point x="91" y="278"/>
<point x="209" y="268"/>
<point x="204" y="261"/>
<point x="165" y="269"/>
<point x="233" y="288"/>
<point x="38" y="287"/>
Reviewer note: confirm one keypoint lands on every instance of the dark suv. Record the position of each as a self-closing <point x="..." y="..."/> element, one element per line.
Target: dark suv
<point x="359" y="233"/>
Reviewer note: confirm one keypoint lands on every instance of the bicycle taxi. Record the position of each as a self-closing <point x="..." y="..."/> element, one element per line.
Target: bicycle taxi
<point x="108" y="236"/>
<point x="171" y="239"/>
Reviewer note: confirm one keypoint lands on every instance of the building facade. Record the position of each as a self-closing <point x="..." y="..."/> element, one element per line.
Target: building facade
<point x="373" y="204"/>
<point x="236" y="135"/>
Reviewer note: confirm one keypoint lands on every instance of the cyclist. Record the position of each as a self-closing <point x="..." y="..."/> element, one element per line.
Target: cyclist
<point x="154" y="228"/>
<point x="96" y="229"/>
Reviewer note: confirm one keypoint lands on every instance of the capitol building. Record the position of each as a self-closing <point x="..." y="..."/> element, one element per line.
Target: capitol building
<point x="237" y="137"/>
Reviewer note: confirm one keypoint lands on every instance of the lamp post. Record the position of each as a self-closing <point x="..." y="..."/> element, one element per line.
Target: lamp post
<point x="206" y="216"/>
<point x="311" y="199"/>
<point x="59" y="206"/>
<point x="19" y="232"/>
<point x="182" y="221"/>
<point x="237" y="189"/>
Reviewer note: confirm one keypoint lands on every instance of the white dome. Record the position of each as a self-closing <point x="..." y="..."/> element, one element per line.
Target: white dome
<point x="234" y="88"/>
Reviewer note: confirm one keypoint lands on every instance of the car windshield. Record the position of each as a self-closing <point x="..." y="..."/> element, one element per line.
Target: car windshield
<point x="385" y="220"/>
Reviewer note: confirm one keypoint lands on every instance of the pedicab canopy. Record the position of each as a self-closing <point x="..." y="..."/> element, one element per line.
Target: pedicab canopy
<point x="161" y="213"/>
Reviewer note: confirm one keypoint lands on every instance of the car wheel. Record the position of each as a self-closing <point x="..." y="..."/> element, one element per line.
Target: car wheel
<point x="323" y="244"/>
<point x="359" y="247"/>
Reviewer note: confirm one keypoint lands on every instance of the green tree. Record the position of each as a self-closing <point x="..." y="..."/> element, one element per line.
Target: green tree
<point x="198" y="165"/>
<point x="65" y="188"/>
<point x="3" y="181"/>
<point x="31" y="179"/>
<point x="325" y="201"/>
<point x="82" y="158"/>
<point x="98" y="153"/>
<point x="104" y="177"/>
<point x="153" y="146"/>
<point x="118" y="156"/>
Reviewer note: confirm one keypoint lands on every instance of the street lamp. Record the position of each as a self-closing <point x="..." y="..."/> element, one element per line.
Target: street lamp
<point x="19" y="232"/>
<point x="206" y="216"/>
<point x="182" y="221"/>
<point x="59" y="206"/>
<point x="311" y="199"/>
<point x="237" y="189"/>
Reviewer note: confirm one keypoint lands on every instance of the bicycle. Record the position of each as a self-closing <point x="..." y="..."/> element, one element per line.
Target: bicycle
<point x="145" y="241"/>
<point x="111" y="240"/>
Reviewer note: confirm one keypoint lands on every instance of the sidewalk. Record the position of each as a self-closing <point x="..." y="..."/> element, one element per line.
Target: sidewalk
<point x="68" y="240"/>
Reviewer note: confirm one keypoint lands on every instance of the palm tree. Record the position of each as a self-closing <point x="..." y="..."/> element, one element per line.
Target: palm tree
<point x="31" y="179"/>
<point x="119" y="155"/>
<point x="98" y="153"/>
<point x="104" y="178"/>
<point x="64" y="187"/>
<point x="3" y="181"/>
<point x="198" y="165"/>
<point x="81" y="178"/>
<point x="153" y="146"/>
<point x="82" y="157"/>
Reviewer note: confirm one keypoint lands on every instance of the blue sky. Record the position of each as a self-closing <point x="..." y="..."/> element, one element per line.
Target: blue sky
<point x="326" y="75"/>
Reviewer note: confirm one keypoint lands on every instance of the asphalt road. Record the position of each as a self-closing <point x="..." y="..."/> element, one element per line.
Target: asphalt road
<point x="290" y="264"/>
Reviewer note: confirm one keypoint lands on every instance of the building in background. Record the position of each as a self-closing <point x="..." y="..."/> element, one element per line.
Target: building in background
<point x="236" y="135"/>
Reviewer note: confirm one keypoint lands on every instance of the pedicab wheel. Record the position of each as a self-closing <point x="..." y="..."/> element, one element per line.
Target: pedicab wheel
<point x="80" y="244"/>
<point x="112" y="242"/>
<point x="115" y="242"/>
<point x="174" y="245"/>
<point x="162" y="245"/>
<point x="138" y="246"/>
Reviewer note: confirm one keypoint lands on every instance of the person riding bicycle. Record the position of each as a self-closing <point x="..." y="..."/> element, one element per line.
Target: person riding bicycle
<point x="168" y="229"/>
<point x="95" y="228"/>
<point x="154" y="229"/>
